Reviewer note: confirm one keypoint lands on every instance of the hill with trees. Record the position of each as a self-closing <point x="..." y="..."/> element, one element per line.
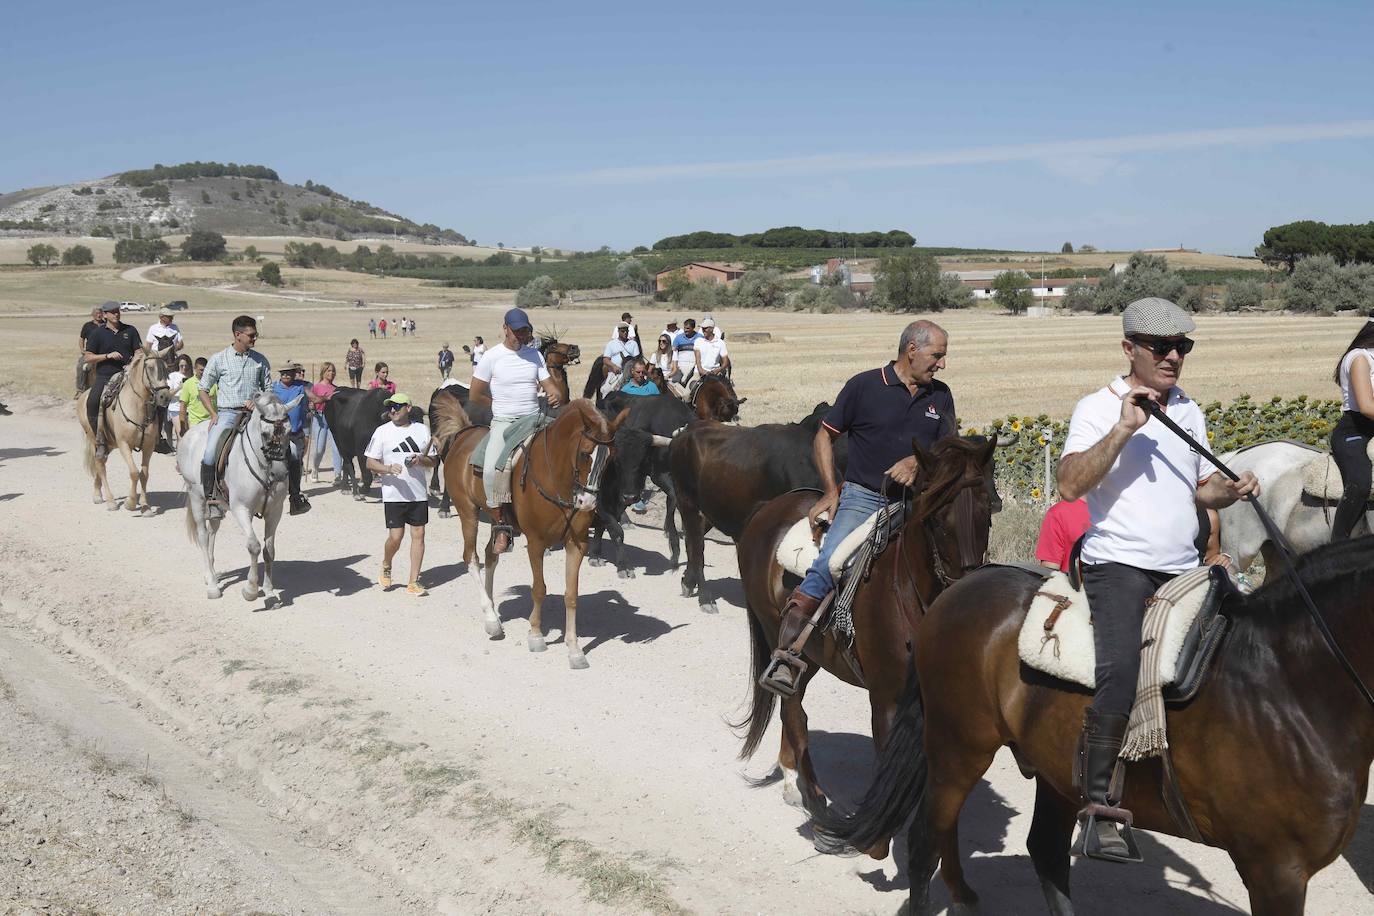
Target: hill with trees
<point x="225" y="198"/>
<point x="788" y="237"/>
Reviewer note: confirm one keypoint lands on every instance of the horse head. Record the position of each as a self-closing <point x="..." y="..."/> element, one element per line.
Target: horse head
<point x="273" y="421"/>
<point x="954" y="501"/>
<point x="152" y="370"/>
<point x="593" y="449"/>
<point x="717" y="394"/>
<point x="556" y="353"/>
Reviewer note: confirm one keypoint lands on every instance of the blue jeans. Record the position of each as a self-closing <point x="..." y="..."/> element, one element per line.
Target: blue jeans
<point x="319" y="428"/>
<point x="856" y="505"/>
<point x="224" y="421"/>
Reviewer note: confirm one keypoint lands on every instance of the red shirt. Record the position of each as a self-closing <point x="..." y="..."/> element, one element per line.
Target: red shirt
<point x="1064" y="524"/>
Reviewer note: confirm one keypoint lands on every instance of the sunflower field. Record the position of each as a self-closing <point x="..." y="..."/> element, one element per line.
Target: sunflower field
<point x="1025" y="468"/>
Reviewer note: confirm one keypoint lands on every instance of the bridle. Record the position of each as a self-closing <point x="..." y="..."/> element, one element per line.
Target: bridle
<point x="152" y="387"/>
<point x="936" y="533"/>
<point x="600" y="455"/>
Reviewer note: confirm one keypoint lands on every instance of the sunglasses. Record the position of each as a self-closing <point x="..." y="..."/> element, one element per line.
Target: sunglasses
<point x="1162" y="348"/>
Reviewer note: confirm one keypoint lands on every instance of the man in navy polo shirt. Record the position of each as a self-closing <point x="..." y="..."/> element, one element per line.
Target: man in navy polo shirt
<point x="882" y="410"/>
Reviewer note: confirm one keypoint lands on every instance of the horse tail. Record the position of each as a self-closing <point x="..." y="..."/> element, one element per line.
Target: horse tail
<point x="192" y="530"/>
<point x="898" y="786"/>
<point x="448" y="419"/>
<point x="595" y="378"/>
<point x="761" y="704"/>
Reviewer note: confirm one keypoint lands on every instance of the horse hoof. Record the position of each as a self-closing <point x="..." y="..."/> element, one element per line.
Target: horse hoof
<point x="595" y="561"/>
<point x="444" y="513"/>
<point x="792" y="795"/>
<point x="493" y="628"/>
<point x="686" y="591"/>
<point x="626" y="573"/>
<point x="708" y="607"/>
<point x="113" y="507"/>
<point x="250" y="594"/>
<point x="536" y="643"/>
<point x="577" y="661"/>
<point x="213" y="593"/>
<point x="97" y="499"/>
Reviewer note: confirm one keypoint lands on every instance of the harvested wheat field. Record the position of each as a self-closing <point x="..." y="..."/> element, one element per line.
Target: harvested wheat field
<point x="340" y="748"/>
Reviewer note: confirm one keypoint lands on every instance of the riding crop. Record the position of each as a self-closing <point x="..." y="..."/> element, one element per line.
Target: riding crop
<point x="1275" y="535"/>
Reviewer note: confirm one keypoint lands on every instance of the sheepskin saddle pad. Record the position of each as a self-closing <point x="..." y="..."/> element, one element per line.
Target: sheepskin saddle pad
<point x="797" y="551"/>
<point x="1057" y="636"/>
<point x="1322" y="479"/>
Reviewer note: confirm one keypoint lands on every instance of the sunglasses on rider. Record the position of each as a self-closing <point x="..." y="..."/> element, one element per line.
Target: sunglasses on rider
<point x="1162" y="347"/>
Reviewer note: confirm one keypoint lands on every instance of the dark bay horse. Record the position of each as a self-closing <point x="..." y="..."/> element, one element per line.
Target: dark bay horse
<point x="1272" y="756"/>
<point x="945" y="535"/>
<point x="715" y="399"/>
<point x="554" y="491"/>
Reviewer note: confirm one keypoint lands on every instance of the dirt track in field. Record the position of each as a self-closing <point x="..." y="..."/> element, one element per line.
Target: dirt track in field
<point x="233" y="753"/>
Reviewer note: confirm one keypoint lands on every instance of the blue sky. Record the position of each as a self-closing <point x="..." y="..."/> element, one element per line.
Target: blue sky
<point x="976" y="124"/>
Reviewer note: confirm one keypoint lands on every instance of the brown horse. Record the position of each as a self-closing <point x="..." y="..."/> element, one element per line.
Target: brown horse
<point x="557" y="357"/>
<point x="129" y="424"/>
<point x="715" y="399"/>
<point x="554" y="493"/>
<point x="1272" y="757"/>
<point x="944" y="536"/>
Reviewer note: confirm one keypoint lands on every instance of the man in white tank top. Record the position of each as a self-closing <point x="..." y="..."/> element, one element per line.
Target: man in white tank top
<point x="508" y="380"/>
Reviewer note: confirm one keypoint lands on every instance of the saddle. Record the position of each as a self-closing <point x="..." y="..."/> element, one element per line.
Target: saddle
<point x="222" y="450"/>
<point x="1056" y="637"/>
<point x="517" y="440"/>
<point x="1321" y="479"/>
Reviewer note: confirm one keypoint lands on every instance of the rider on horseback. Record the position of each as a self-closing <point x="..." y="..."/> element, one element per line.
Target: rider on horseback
<point x="1142" y="485"/>
<point x="241" y="373"/>
<point x="882" y="410"/>
<point x="508" y="380"/>
<point x="109" y="348"/>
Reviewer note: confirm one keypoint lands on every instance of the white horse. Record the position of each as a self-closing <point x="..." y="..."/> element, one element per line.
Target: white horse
<point x="255" y="476"/>
<point x="1304" y="520"/>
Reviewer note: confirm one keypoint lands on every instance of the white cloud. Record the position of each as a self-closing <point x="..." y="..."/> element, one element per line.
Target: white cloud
<point x="1056" y="155"/>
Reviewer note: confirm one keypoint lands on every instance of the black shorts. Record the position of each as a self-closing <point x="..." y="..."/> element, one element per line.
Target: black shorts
<point x="398" y="515"/>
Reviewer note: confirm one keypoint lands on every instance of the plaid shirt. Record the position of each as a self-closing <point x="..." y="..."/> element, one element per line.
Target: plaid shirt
<point x="240" y="376"/>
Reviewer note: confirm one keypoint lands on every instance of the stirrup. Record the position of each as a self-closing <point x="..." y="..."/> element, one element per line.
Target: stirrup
<point x="1090" y="844"/>
<point x="771" y="679"/>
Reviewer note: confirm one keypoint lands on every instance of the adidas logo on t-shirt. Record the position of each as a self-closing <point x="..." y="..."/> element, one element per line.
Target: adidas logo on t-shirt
<point x="408" y="445"/>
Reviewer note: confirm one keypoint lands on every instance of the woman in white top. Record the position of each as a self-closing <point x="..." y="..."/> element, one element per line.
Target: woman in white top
<point x="174" y="380"/>
<point x="1351" y="436"/>
<point x="663" y="356"/>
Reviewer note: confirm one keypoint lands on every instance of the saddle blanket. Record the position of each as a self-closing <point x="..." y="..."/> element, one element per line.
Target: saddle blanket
<point x="517" y="435"/>
<point x="1322" y="479"/>
<point x="797" y="551"/>
<point x="1063" y="647"/>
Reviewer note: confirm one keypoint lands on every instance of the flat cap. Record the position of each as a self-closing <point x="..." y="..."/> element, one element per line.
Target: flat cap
<point x="1155" y="317"/>
<point x="165" y="312"/>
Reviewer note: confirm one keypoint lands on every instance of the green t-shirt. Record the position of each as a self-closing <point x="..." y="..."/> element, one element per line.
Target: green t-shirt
<point x="190" y="396"/>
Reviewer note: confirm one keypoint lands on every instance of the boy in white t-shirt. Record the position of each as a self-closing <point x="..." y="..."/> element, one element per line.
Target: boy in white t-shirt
<point x="1143" y="485"/>
<point x="399" y="451"/>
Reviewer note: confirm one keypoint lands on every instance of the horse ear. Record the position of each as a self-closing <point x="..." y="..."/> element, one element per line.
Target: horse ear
<point x="619" y="418"/>
<point x="741" y="400"/>
<point x="925" y="461"/>
<point x="294" y="401"/>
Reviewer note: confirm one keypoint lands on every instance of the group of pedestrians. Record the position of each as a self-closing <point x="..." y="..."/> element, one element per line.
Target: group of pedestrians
<point x="399" y="327"/>
<point x="683" y="354"/>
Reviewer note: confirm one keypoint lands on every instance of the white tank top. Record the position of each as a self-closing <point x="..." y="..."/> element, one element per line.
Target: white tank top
<point x="1347" y="396"/>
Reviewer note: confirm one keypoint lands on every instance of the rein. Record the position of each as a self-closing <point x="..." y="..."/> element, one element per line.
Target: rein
<point x="935" y="531"/>
<point x="149" y="413"/>
<point x="593" y="478"/>
<point x="1285" y="549"/>
<point x="273" y="451"/>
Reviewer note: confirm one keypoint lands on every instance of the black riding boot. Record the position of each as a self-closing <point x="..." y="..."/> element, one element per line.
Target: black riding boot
<point x="1105" y="831"/>
<point x="786" y="668"/>
<point x="213" y="508"/>
<point x="299" y="504"/>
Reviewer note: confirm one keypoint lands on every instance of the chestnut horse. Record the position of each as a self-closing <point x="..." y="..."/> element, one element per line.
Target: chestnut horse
<point x="129" y="424"/>
<point x="1272" y="756"/>
<point x="715" y="399"/>
<point x="945" y="535"/>
<point x="554" y="488"/>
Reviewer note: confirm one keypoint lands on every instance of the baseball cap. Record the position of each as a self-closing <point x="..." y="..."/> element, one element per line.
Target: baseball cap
<point x="165" y="312"/>
<point x="708" y="322"/>
<point x="1155" y="317"/>
<point x="398" y="398"/>
<point x="516" y="320"/>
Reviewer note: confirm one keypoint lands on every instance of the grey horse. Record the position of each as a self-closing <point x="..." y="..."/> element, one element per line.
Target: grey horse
<point x="1303" y="519"/>
<point x="255" y="476"/>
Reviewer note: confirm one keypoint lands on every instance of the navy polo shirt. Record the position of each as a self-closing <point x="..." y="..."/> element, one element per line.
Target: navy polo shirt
<point x="125" y="341"/>
<point x="882" y="417"/>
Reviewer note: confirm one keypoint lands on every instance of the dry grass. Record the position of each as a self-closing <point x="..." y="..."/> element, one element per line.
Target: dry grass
<point x="1179" y="260"/>
<point x="997" y="364"/>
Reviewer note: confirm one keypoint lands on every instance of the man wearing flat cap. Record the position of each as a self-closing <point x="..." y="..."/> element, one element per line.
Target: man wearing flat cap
<point x="1143" y="485"/>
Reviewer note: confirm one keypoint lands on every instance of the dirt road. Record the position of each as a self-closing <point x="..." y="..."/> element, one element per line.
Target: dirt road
<point x="383" y="741"/>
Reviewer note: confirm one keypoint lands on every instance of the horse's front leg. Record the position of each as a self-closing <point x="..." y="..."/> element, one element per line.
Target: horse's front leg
<point x="535" y="548"/>
<point x="205" y="537"/>
<point x="270" y="519"/>
<point x="243" y="514"/>
<point x="574" y="549"/>
<point x="127" y="453"/>
<point x="147" y="506"/>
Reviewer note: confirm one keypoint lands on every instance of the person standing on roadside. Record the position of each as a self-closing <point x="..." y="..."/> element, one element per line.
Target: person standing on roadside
<point x="287" y="389"/>
<point x="236" y="375"/>
<point x="445" y="362"/>
<point x="479" y="350"/>
<point x="82" y="365"/>
<point x="319" y="396"/>
<point x="399" y="451"/>
<point x="355" y="362"/>
<point x="109" y="349"/>
<point x="381" y="328"/>
<point x="192" y="410"/>
<point x="371" y="328"/>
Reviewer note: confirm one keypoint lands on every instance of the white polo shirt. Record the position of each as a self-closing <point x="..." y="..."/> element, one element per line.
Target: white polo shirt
<point x="1143" y="511"/>
<point x="514" y="377"/>
<point x="711" y="351"/>
<point x="158" y="331"/>
<point x="617" y="351"/>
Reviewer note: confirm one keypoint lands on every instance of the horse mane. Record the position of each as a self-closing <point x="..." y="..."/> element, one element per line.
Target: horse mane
<point x="449" y="419"/>
<point x="1336" y="565"/>
<point x="590" y="415"/>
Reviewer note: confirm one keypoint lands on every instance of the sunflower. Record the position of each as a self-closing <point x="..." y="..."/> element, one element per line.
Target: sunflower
<point x="1016" y="426"/>
<point x="1035" y="492"/>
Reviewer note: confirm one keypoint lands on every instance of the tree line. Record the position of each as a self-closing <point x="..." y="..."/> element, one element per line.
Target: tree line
<point x="139" y="178"/>
<point x="1346" y="243"/>
<point x="788" y="237"/>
